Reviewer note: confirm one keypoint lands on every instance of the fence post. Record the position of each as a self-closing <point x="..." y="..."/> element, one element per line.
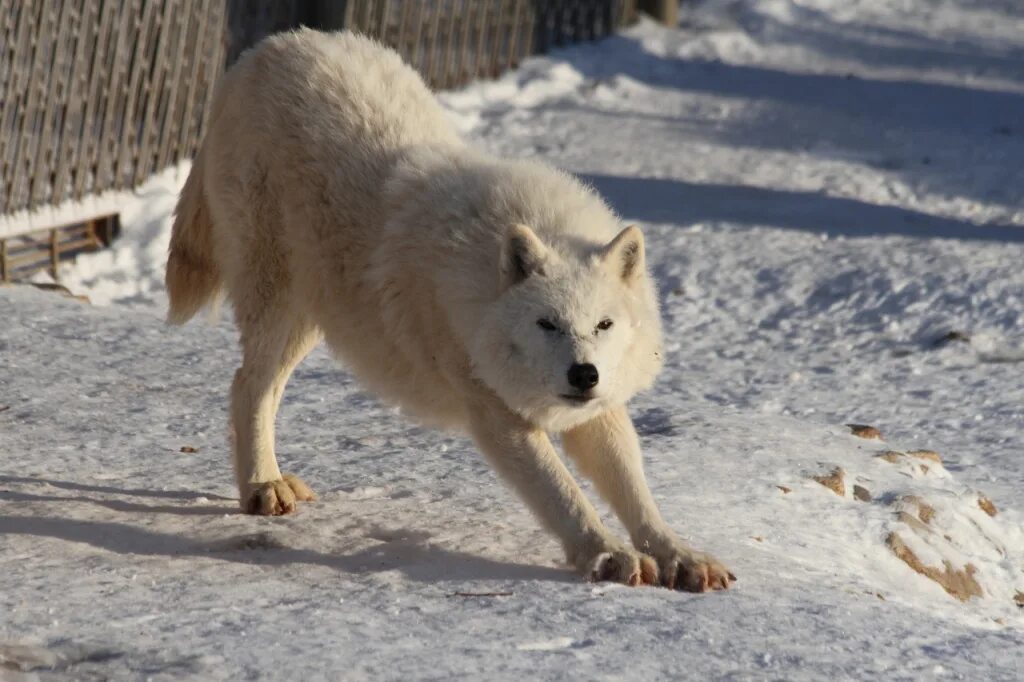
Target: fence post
<point x="55" y="253"/>
<point x="665" y="11"/>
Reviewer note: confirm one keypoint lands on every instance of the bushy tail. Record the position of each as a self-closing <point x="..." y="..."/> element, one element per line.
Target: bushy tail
<point x="193" y="280"/>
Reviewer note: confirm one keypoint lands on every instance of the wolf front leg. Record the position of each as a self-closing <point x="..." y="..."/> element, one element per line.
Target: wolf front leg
<point x="523" y="456"/>
<point x="607" y="450"/>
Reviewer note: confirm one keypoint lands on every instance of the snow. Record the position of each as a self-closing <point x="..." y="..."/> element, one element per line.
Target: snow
<point x="827" y="189"/>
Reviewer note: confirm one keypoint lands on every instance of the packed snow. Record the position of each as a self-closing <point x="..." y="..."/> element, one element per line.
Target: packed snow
<point x="832" y="193"/>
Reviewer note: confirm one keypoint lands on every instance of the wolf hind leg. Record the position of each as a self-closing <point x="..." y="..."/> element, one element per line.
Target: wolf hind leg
<point x="273" y="343"/>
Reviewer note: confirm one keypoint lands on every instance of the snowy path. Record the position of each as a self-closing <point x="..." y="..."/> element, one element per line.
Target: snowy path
<point x="794" y="217"/>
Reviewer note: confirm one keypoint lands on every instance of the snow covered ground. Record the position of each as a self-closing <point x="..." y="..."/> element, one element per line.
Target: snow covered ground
<point x="828" y="189"/>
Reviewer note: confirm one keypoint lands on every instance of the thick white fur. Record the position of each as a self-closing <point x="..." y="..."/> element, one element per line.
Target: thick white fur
<point x="332" y="199"/>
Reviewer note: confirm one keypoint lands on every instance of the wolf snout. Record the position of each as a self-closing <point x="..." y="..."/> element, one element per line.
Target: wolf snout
<point x="583" y="377"/>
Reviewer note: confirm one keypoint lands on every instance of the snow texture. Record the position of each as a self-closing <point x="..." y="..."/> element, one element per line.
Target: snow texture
<point x="828" y="188"/>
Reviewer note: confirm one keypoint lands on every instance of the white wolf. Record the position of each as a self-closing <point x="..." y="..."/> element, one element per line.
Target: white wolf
<point x="331" y="199"/>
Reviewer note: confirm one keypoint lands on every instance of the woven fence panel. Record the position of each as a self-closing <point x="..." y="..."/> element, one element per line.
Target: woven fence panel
<point x="97" y="95"/>
<point x="451" y="42"/>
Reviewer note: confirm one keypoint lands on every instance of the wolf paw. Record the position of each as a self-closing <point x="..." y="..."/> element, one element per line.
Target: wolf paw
<point x="691" y="571"/>
<point x="622" y="566"/>
<point x="275" y="498"/>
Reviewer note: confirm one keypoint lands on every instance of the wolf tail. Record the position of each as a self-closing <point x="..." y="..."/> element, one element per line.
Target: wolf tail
<point x="193" y="279"/>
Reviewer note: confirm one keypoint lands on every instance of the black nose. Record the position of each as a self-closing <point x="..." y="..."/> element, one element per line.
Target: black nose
<point x="582" y="377"/>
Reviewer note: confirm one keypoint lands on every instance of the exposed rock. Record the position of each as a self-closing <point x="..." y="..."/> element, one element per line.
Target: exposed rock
<point x="834" y="481"/>
<point x="1019" y="599"/>
<point x="959" y="583"/>
<point x="891" y="456"/>
<point x="189" y="450"/>
<point x="925" y="511"/>
<point x="915" y="523"/>
<point x="865" y="431"/>
<point x="784" y="489"/>
<point x="861" y="493"/>
<point x="987" y="506"/>
<point x="930" y="455"/>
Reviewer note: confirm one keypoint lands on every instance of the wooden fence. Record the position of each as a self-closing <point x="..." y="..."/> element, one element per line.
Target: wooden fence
<point x="97" y="95"/>
<point x="455" y="41"/>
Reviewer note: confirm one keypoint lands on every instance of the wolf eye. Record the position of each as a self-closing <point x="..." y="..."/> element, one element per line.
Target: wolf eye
<point x="546" y="325"/>
<point x="604" y="324"/>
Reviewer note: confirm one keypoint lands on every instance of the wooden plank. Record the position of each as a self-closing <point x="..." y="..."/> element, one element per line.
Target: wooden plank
<point x="10" y="12"/>
<point x="417" y="33"/>
<point x="24" y="108"/>
<point x="498" y="36"/>
<point x="481" y="44"/>
<point x="464" y="43"/>
<point x="430" y="57"/>
<point x="365" y="13"/>
<point x="61" y="33"/>
<point x="98" y="78"/>
<point x="154" y="88"/>
<point x="382" y="19"/>
<point x="169" y="121"/>
<point x="39" y="259"/>
<point x="54" y="254"/>
<point x="188" y="131"/>
<point x="72" y="132"/>
<point x="115" y="123"/>
<point x="403" y="28"/>
<point x="454" y="11"/>
<point x="138" y="69"/>
<point x="512" y="56"/>
<point x="214" y="69"/>
<point x="529" y="20"/>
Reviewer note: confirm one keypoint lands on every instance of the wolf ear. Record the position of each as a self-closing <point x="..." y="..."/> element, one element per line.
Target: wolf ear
<point x="522" y="255"/>
<point x="625" y="254"/>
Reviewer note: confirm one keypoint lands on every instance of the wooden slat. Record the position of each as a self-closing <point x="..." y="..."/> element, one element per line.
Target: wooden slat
<point x="71" y="134"/>
<point x="188" y="127"/>
<point x="512" y="53"/>
<point x="155" y="88"/>
<point x="43" y="110"/>
<point x="499" y="33"/>
<point x="415" y="53"/>
<point x="134" y="93"/>
<point x="55" y="105"/>
<point x="381" y="19"/>
<point x="113" y="123"/>
<point x="170" y="123"/>
<point x="403" y="28"/>
<point x="481" y="40"/>
<point x="98" y="75"/>
<point x="214" y="66"/>
<point x="10" y="13"/>
<point x="465" y="49"/>
<point x="430" y="49"/>
<point x="27" y="103"/>
<point x="445" y="79"/>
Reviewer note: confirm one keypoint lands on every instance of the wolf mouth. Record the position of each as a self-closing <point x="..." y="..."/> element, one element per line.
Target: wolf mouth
<point x="578" y="398"/>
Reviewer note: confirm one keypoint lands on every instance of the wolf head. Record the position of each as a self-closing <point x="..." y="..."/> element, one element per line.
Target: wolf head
<point x="574" y="332"/>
